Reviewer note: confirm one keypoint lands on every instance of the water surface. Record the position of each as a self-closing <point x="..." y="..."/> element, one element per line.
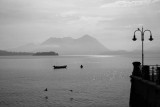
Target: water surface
<point x="103" y="82"/>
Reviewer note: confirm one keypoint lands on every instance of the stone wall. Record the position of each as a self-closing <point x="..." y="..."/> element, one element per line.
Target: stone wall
<point x="144" y="93"/>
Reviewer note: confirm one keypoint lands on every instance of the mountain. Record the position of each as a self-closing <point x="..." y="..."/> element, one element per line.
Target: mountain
<point x="67" y="45"/>
<point x="58" y="41"/>
<point x="83" y="45"/>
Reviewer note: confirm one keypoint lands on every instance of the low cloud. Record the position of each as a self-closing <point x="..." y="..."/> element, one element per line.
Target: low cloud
<point x="126" y="3"/>
<point x="34" y="20"/>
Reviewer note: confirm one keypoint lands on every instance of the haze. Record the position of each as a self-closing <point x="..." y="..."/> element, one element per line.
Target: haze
<point x="112" y="22"/>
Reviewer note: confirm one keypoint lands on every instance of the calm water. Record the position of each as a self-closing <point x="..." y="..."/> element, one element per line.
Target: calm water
<point x="103" y="82"/>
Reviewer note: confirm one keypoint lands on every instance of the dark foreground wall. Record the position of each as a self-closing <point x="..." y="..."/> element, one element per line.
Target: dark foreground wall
<point x="145" y="86"/>
<point x="144" y="93"/>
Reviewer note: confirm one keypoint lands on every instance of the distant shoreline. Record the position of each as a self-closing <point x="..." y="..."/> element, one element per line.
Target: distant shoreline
<point x="7" y="53"/>
<point x="46" y="54"/>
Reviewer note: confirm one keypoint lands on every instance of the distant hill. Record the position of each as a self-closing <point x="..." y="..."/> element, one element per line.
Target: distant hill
<point x="67" y="45"/>
<point x="45" y="54"/>
<point x="6" y="53"/>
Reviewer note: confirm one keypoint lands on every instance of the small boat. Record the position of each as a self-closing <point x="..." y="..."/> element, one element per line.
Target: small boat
<point x="60" y="67"/>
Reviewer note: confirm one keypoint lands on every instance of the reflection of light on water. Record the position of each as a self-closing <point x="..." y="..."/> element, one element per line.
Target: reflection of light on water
<point x="98" y="56"/>
<point x="93" y="62"/>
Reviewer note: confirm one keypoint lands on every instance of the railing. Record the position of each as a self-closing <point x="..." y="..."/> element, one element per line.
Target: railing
<point x="154" y="73"/>
<point x="148" y="72"/>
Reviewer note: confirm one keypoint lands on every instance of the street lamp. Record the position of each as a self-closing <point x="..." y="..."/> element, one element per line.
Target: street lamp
<point x="142" y="39"/>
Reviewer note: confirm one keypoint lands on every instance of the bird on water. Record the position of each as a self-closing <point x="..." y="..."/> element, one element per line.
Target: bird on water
<point x="46" y="89"/>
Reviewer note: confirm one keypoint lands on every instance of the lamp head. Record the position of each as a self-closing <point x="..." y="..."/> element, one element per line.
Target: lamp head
<point x="150" y="38"/>
<point x="134" y="38"/>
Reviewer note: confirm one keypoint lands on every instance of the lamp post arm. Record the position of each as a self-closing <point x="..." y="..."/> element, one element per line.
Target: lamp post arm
<point x="136" y="31"/>
<point x="148" y="31"/>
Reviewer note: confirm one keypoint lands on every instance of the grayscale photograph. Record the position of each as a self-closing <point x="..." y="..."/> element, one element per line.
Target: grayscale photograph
<point x="79" y="53"/>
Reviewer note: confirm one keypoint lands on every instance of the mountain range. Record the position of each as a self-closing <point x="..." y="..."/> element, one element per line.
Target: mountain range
<point x="67" y="45"/>
<point x="85" y="45"/>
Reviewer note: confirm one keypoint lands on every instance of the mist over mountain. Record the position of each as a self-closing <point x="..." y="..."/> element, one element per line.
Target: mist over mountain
<point x="67" y="45"/>
<point x="84" y="45"/>
<point x="30" y="47"/>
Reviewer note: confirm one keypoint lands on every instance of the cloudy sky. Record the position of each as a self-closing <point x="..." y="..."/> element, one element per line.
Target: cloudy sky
<point x="112" y="22"/>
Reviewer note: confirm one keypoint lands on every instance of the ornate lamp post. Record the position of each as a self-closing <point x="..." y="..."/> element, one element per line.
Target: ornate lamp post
<point x="142" y="39"/>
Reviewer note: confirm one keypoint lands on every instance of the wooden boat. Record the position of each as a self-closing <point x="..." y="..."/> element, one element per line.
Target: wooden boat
<point x="59" y="67"/>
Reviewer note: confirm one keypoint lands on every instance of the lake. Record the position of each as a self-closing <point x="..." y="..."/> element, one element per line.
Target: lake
<point x="103" y="82"/>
